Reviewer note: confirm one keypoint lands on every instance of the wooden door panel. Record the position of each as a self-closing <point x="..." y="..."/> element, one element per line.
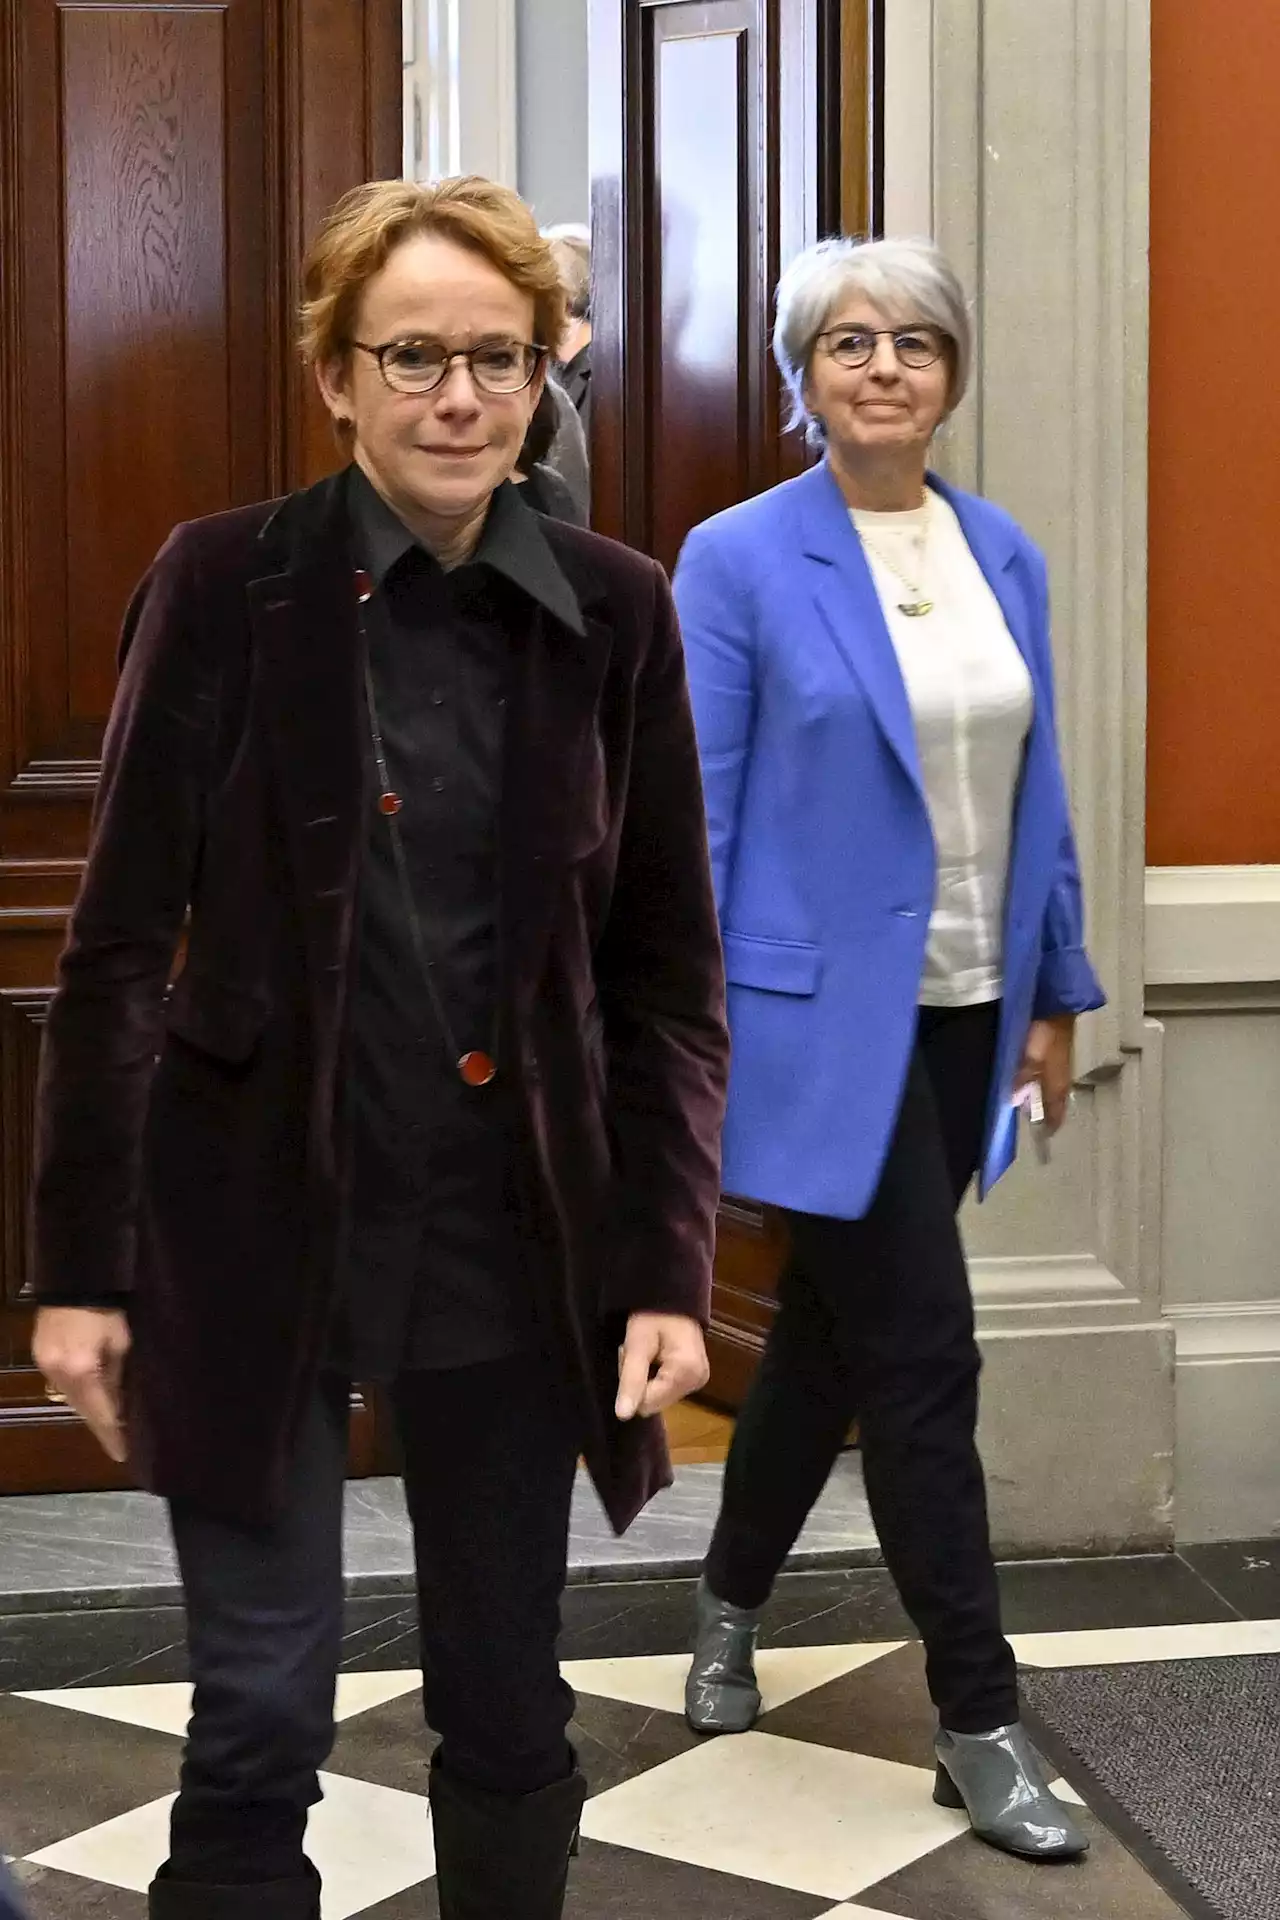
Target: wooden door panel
<point x="160" y="167"/>
<point x="141" y="250"/>
<point x="706" y="209"/>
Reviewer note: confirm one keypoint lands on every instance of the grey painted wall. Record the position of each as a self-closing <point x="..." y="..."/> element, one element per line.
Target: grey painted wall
<point x="551" y="65"/>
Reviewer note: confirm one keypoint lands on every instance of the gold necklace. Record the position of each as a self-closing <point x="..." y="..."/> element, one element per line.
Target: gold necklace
<point x="918" y="604"/>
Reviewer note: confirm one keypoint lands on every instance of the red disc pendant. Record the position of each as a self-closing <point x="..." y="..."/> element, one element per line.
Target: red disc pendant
<point x="364" y="585"/>
<point x="477" y="1069"/>
<point x="389" y="803"/>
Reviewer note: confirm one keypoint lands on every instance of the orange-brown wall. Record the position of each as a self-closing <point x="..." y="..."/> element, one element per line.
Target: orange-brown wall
<point x="1214" y="716"/>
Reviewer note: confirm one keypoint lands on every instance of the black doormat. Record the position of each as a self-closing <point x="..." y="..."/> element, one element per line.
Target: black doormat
<point x="1181" y="1758"/>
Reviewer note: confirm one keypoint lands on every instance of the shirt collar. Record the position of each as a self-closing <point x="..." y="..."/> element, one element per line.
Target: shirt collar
<point x="512" y="544"/>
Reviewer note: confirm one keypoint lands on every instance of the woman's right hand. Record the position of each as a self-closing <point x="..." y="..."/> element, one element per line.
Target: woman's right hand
<point x="81" y="1353"/>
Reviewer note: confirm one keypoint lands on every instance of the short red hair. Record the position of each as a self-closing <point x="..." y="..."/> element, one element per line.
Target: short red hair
<point x="359" y="235"/>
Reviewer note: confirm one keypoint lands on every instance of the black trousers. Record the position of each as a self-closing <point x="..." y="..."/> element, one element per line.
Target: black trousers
<point x="489" y="1464"/>
<point x="875" y="1322"/>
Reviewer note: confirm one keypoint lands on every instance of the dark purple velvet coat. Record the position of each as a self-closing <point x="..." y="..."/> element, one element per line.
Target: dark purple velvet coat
<point x="187" y="1152"/>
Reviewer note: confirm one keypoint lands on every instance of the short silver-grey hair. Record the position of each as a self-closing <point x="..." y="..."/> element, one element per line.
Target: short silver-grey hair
<point x="903" y="279"/>
<point x="571" y="246"/>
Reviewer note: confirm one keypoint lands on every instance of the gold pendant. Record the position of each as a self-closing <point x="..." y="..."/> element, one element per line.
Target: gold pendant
<point x="914" y="608"/>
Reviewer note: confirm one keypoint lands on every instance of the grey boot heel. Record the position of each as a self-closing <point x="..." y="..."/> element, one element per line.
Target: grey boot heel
<point x="721" y="1695"/>
<point x="997" y="1779"/>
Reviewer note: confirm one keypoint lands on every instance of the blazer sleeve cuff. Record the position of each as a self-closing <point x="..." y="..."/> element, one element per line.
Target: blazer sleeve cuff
<point x="1066" y="984"/>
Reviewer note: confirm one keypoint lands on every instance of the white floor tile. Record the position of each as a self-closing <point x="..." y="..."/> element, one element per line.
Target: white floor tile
<point x="1116" y="1646"/>
<point x="658" y="1681"/>
<point x="1065" y="1791"/>
<point x="124" y="1852"/>
<point x="357" y="1692"/>
<point x="368" y="1842"/>
<point x="167" y="1707"/>
<point x="859" y="1913"/>
<point x="781" y="1811"/>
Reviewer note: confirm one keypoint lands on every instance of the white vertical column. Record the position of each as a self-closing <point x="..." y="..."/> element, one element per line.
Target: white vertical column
<point x="461" y="102"/>
<point x="908" y="118"/>
<point x="1040" y="197"/>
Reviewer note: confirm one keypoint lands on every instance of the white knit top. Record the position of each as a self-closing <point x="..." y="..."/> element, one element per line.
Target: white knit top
<point x="971" y="699"/>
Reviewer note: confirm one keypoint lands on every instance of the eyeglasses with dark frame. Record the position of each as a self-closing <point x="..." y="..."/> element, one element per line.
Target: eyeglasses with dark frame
<point x="915" y="347"/>
<point x="420" y="366"/>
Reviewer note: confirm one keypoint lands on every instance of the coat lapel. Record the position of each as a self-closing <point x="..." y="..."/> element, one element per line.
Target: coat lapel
<point x="554" y="799"/>
<point x="850" y="609"/>
<point x="991" y="541"/>
<point x="302" y="608"/>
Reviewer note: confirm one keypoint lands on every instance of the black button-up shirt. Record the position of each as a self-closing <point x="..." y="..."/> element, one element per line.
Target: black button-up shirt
<point x="431" y="1270"/>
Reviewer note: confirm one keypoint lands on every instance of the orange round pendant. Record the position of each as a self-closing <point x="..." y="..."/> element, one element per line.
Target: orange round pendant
<point x="389" y="803"/>
<point x="477" y="1069"/>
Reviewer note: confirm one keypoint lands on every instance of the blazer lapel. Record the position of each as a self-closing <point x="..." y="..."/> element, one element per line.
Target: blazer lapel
<point x="303" y="613"/>
<point x="992" y="544"/>
<point x="850" y="608"/>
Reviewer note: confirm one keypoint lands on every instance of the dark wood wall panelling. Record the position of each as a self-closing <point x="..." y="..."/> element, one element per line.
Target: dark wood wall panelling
<point x="160" y="167"/>
<point x="726" y="135"/>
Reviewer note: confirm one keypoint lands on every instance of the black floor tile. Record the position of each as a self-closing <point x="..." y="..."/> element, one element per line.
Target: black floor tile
<point x="62" y="1771"/>
<point x="882" y="1709"/>
<point x="614" y="1741"/>
<point x="1075" y="1596"/>
<point x="967" y="1880"/>
<point x="1245" y="1573"/>
<point x="831" y="1609"/>
<point x="66" y="1896"/>
<point x="657" y="1616"/>
<point x="119" y="1646"/>
<point x="619" y="1883"/>
<point x="613" y="1621"/>
<point x="102" y="1647"/>
<point x="387" y="1745"/>
<point x="379" y="1634"/>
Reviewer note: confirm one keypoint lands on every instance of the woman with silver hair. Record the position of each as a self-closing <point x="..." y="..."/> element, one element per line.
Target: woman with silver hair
<point x="900" y="904"/>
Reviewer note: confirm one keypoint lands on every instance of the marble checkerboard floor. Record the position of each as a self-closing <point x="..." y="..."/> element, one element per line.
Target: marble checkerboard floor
<point x="824" y="1810"/>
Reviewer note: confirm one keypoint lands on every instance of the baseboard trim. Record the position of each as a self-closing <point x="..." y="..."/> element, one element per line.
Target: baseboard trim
<point x="1226" y="1331"/>
<point x="1228" y="1408"/>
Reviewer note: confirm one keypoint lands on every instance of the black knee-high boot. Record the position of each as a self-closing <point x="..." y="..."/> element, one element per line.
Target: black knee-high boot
<point x="503" y="1856"/>
<point x="296" y="1899"/>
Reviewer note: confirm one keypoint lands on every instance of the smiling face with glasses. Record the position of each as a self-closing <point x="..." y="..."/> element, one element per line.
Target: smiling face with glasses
<point x="438" y="384"/>
<point x="881" y="389"/>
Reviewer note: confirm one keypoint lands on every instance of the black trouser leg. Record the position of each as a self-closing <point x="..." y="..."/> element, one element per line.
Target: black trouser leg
<point x="894" y="1289"/>
<point x="788" y="1433"/>
<point x="264" y="1629"/>
<point x="489" y="1470"/>
<point x="489" y="1461"/>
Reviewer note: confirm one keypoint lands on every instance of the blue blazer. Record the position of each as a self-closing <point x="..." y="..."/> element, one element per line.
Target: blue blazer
<point x="822" y="848"/>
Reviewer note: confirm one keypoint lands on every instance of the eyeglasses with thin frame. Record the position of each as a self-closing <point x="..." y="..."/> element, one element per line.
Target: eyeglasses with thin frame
<point x="420" y="366"/>
<point x="915" y="347"/>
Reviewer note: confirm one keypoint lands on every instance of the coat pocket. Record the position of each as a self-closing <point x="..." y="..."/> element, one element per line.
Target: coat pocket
<point x="222" y="1020"/>
<point x="778" y="966"/>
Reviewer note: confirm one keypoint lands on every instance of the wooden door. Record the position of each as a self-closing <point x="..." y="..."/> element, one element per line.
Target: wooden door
<point x="160" y="166"/>
<point x="725" y="136"/>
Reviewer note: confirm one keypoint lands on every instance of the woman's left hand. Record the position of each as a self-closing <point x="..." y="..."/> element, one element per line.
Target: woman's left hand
<point x="663" y="1358"/>
<point x="1048" y="1057"/>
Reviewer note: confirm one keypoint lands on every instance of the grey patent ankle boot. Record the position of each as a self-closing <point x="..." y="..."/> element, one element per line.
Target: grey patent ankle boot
<point x="998" y="1780"/>
<point x="721" y="1695"/>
